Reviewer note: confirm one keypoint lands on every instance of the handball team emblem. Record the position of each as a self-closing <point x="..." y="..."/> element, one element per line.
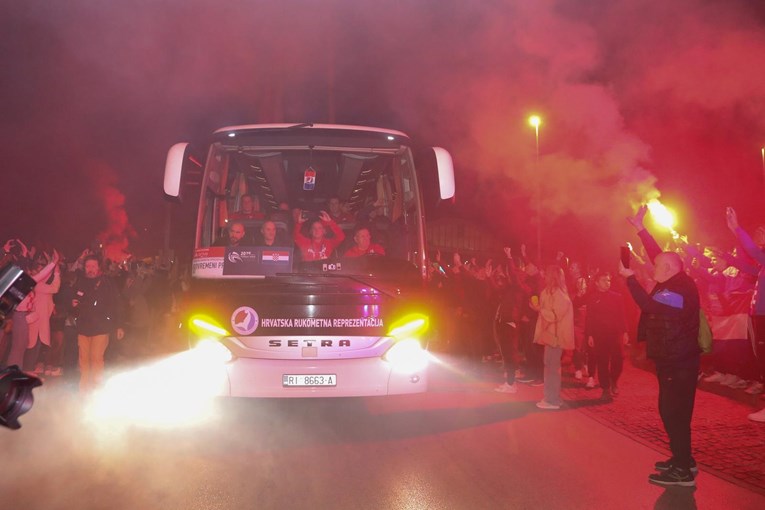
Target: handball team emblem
<point x="245" y="320"/>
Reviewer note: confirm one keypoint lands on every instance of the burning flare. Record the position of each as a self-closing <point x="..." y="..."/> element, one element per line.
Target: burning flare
<point x="662" y="216"/>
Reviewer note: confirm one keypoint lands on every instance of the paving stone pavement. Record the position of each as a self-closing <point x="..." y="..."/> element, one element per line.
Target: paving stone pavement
<point x="725" y="442"/>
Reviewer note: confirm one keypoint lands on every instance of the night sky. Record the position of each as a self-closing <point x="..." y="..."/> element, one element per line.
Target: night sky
<point x="638" y="98"/>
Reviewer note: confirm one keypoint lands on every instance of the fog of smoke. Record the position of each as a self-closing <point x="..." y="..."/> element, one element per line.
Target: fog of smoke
<point x="637" y="99"/>
<point x="118" y="232"/>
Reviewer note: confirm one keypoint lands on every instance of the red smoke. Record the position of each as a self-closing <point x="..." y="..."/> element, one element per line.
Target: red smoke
<point x="637" y="97"/>
<point x="115" y="237"/>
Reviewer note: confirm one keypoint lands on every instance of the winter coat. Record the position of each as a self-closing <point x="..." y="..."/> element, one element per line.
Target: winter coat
<point x="555" y="324"/>
<point x="43" y="307"/>
<point x="100" y="307"/>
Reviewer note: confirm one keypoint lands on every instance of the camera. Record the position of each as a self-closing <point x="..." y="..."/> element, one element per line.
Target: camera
<point x="15" y="386"/>
<point x="15" y="395"/>
<point x="15" y="284"/>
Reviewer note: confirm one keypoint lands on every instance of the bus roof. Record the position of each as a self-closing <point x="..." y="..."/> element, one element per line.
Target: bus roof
<point x="248" y="127"/>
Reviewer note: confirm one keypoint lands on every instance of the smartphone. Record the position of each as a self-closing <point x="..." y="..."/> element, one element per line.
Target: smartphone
<point x="625" y="255"/>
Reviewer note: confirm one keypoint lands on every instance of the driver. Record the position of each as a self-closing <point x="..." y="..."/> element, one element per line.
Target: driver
<point x="236" y="236"/>
<point x="363" y="245"/>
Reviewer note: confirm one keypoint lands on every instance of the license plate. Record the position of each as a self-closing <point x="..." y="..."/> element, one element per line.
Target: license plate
<point x="309" y="380"/>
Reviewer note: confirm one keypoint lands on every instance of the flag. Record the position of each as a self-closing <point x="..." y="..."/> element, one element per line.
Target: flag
<point x="275" y="256"/>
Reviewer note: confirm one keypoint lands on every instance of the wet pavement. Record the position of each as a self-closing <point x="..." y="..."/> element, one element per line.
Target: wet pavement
<point x="725" y="442"/>
<point x="461" y="445"/>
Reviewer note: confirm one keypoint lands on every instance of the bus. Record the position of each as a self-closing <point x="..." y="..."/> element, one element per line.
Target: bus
<point x="285" y="321"/>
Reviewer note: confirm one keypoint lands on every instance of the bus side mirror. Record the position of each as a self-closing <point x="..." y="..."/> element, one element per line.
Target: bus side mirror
<point x="445" y="173"/>
<point x="181" y="162"/>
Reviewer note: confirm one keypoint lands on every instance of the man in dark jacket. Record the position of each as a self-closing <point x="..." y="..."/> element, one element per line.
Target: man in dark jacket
<point x="669" y="323"/>
<point x="96" y="304"/>
<point x="605" y="329"/>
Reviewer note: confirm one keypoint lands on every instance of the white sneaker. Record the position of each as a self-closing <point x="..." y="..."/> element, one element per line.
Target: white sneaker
<point x="758" y="416"/>
<point x="755" y="388"/>
<point x="716" y="377"/>
<point x="590" y="383"/>
<point x="578" y="374"/>
<point x="507" y="388"/>
<point x="728" y="379"/>
<point x="546" y="405"/>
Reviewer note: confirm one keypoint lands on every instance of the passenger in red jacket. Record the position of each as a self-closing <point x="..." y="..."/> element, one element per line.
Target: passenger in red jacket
<point x="318" y="246"/>
<point x="363" y="244"/>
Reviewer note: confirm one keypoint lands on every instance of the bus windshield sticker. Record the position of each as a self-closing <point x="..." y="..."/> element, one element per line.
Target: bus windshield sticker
<point x="244" y="320"/>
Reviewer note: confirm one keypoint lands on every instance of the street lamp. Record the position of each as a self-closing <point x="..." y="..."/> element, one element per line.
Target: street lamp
<point x="535" y="122"/>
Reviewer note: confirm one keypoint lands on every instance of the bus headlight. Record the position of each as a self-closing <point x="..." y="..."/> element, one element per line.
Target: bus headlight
<point x="413" y="325"/>
<point x="407" y="356"/>
<point x="203" y="325"/>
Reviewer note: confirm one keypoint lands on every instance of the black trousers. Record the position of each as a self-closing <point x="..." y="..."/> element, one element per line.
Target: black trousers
<point x="609" y="360"/>
<point x="508" y="344"/>
<point x="677" y="395"/>
<point x="534" y="353"/>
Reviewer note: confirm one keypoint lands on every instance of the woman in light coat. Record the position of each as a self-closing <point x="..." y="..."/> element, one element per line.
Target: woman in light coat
<point x="23" y="316"/>
<point x="554" y="330"/>
<point x="39" y="330"/>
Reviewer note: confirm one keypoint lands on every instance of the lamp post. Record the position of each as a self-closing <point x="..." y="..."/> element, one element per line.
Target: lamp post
<point x="535" y="121"/>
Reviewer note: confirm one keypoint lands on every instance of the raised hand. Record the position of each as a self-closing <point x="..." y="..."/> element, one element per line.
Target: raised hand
<point x="24" y="249"/>
<point x="731" y="218"/>
<point x="624" y="271"/>
<point x="637" y="220"/>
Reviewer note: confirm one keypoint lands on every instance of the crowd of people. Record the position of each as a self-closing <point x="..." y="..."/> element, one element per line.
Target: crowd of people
<point x="509" y="308"/>
<point x="85" y="311"/>
<point x="688" y="300"/>
<point x="512" y="310"/>
<point x="535" y="320"/>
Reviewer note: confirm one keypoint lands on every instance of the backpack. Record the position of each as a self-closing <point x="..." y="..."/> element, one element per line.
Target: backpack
<point x="705" y="334"/>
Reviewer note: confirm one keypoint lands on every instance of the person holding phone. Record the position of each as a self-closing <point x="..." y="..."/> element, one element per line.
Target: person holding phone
<point x="669" y="324"/>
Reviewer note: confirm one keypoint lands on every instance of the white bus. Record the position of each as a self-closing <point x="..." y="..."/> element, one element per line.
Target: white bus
<point x="289" y="320"/>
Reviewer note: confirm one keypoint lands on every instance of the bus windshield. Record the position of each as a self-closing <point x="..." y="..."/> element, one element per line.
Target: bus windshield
<point x="283" y="206"/>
